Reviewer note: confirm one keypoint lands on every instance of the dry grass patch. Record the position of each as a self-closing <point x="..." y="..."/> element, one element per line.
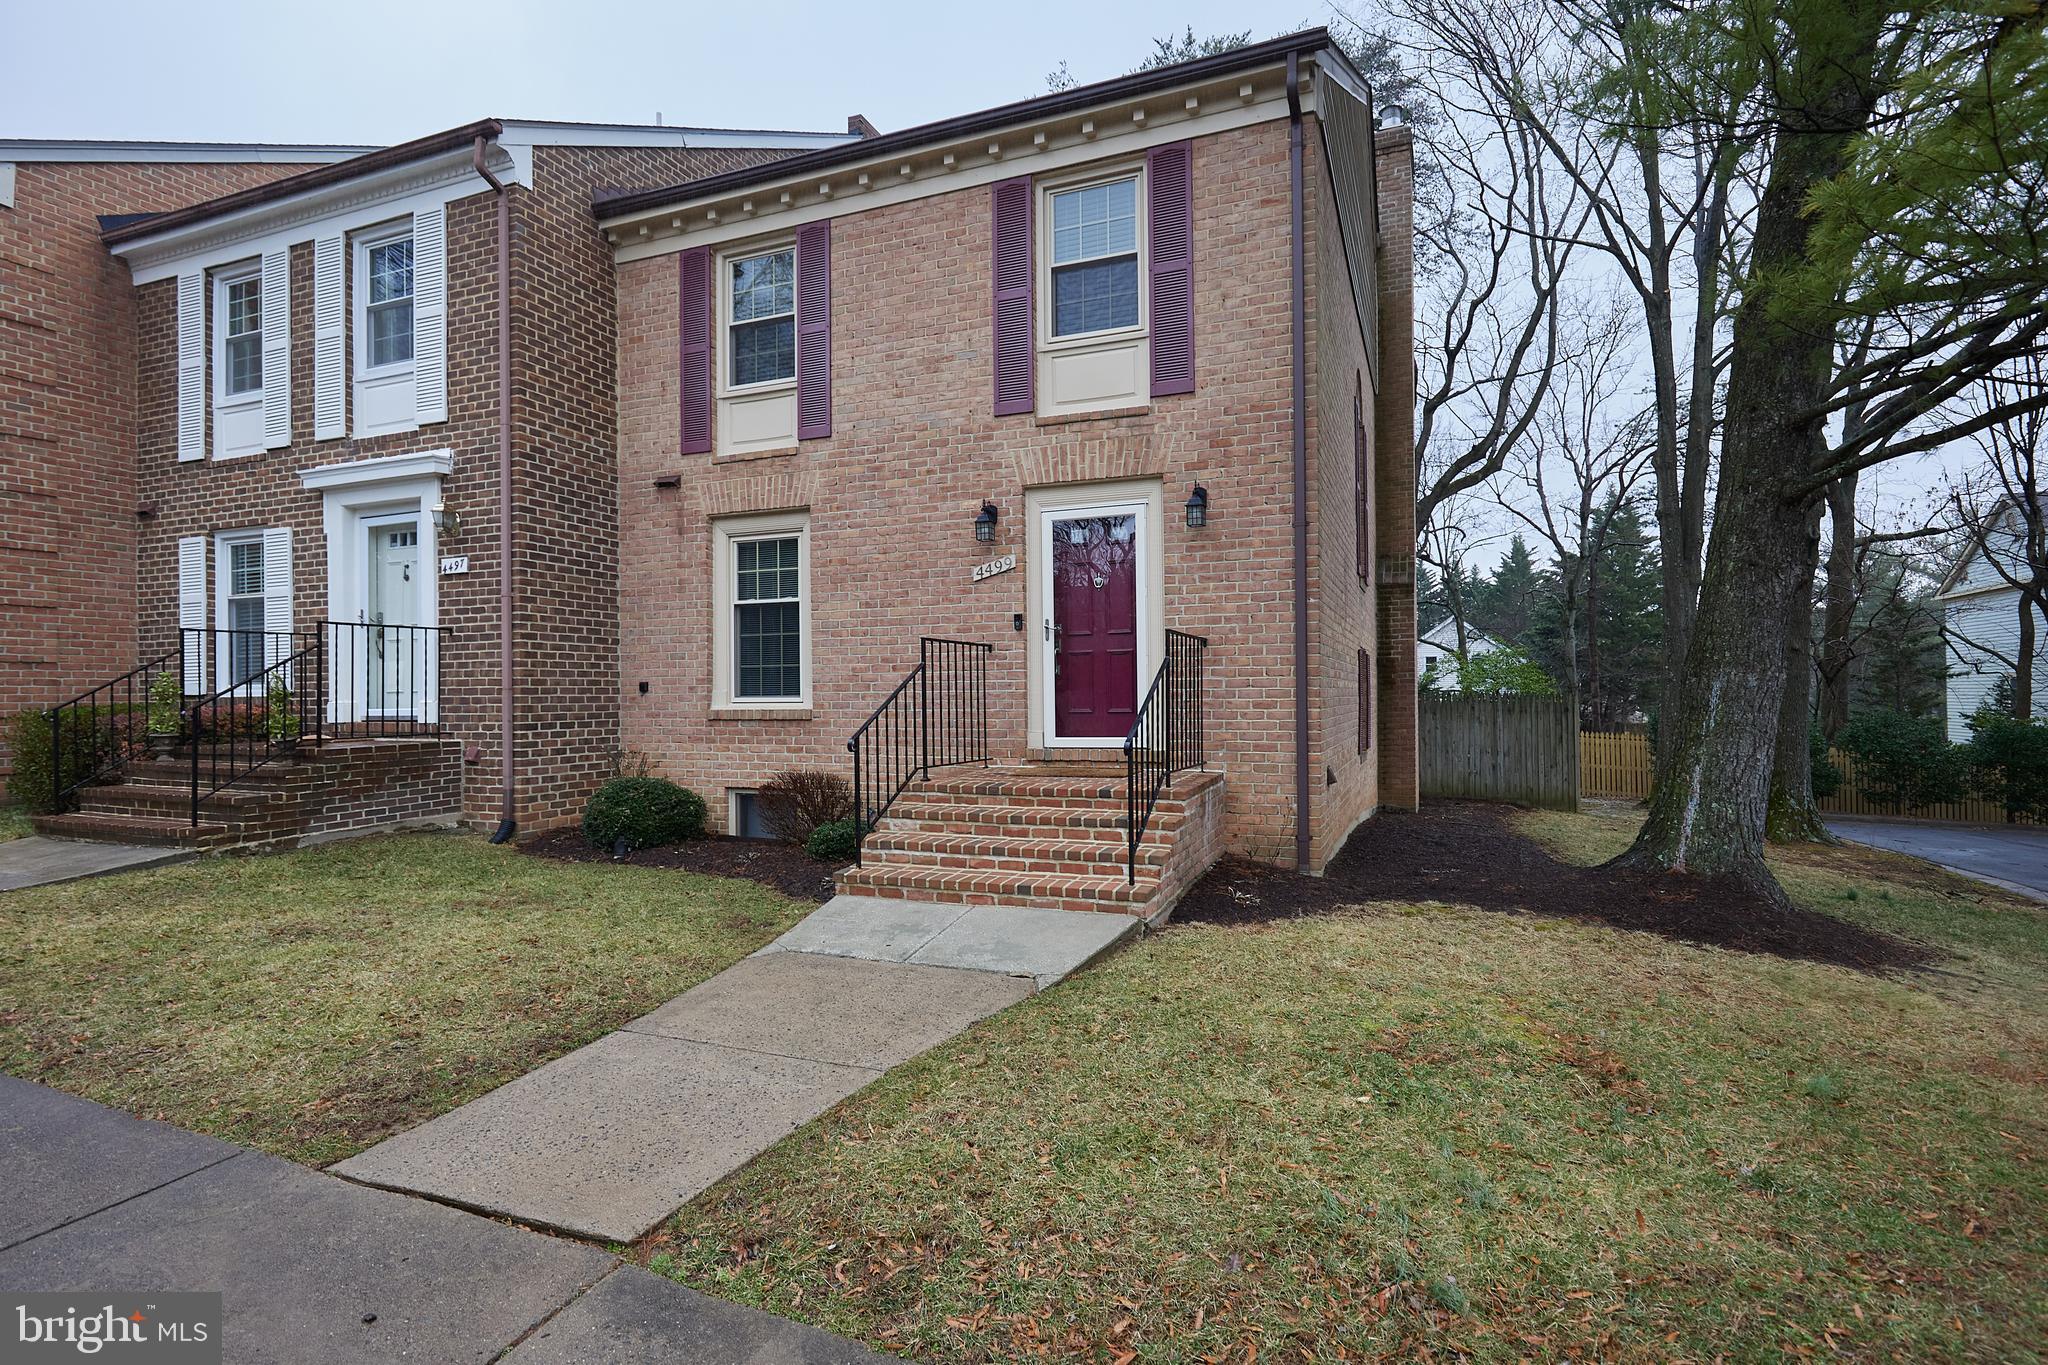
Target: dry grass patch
<point x="312" y="1003"/>
<point x="1363" y="1136"/>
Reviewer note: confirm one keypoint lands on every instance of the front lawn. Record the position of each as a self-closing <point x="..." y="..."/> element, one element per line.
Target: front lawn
<point x="14" y="823"/>
<point x="1369" y="1133"/>
<point x="311" y="1003"/>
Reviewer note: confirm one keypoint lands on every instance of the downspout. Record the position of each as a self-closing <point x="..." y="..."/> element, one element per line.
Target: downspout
<point x="1300" y="324"/>
<point x="508" y="824"/>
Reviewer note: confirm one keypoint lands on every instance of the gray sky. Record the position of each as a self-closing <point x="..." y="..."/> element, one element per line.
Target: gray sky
<point x="378" y="72"/>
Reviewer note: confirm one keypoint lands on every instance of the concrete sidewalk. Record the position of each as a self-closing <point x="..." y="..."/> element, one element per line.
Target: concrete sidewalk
<point x="313" y="1269"/>
<point x="36" y="861"/>
<point x="611" y="1139"/>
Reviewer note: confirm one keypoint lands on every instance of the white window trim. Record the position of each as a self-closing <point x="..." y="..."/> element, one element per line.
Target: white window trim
<point x="223" y="582"/>
<point x="223" y="401"/>
<point x="1046" y="189"/>
<point x="367" y="374"/>
<point x="722" y="351"/>
<point x="733" y="796"/>
<point x="726" y="535"/>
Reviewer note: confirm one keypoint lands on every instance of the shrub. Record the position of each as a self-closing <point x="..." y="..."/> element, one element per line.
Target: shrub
<point x="1505" y="672"/>
<point x="1827" y="778"/>
<point x="166" y="703"/>
<point x="646" y="812"/>
<point x="280" y="717"/>
<point x="2009" y="762"/>
<point x="1904" y="761"/>
<point x="834" y="841"/>
<point x="29" y="737"/>
<point x="793" y="804"/>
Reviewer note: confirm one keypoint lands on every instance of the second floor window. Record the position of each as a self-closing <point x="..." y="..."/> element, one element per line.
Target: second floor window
<point x="389" y="313"/>
<point x="242" y="345"/>
<point x="1095" y="258"/>
<point x="762" y="312"/>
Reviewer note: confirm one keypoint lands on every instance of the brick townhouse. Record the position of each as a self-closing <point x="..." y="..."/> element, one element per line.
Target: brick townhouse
<point x="67" y="413"/>
<point x="1054" y="459"/>
<point x="293" y="433"/>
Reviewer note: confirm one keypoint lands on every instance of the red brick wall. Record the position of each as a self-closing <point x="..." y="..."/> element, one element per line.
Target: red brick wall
<point x="893" y="493"/>
<point x="67" y="421"/>
<point x="564" y="531"/>
<point x="1344" y="782"/>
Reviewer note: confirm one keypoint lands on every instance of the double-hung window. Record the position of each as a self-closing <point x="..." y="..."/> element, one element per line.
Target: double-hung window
<point x="761" y="318"/>
<point x="1095" y="257"/>
<point x="388" y="307"/>
<point x="242" y="609"/>
<point x="762" y="644"/>
<point x="241" y="301"/>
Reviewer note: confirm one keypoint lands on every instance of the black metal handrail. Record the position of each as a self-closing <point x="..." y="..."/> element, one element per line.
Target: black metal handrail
<point x="235" y="731"/>
<point x="937" y="717"/>
<point x="103" y="727"/>
<point x="1168" y="736"/>
<point x="386" y="678"/>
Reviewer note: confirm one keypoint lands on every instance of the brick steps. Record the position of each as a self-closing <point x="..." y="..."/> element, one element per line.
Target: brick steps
<point x="1040" y="835"/>
<point x="278" y="802"/>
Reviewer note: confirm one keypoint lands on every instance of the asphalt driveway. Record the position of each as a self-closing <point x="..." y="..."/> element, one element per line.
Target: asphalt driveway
<point x="2015" y="857"/>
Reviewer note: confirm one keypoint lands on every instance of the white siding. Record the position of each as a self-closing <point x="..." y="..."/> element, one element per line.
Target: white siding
<point x="1983" y="639"/>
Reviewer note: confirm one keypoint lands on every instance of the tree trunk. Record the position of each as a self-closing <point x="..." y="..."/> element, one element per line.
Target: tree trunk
<point x="2023" y="666"/>
<point x="1839" y="617"/>
<point x="1599" y="707"/>
<point x="1793" y="816"/>
<point x="1707" y="813"/>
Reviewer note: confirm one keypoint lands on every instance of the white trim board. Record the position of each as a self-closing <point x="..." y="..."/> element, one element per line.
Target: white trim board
<point x="1029" y="147"/>
<point x="177" y="153"/>
<point x="437" y="464"/>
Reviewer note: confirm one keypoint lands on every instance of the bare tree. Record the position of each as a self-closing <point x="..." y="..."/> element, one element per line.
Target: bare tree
<point x="2000" y="507"/>
<point x="1578" y="468"/>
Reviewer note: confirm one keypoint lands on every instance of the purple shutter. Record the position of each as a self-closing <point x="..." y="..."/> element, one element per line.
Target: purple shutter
<point x="813" y="331"/>
<point x="694" y="333"/>
<point x="1169" y="178"/>
<point x="1011" y="210"/>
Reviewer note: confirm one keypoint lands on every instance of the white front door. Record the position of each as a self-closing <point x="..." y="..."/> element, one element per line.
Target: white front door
<point x="398" y="661"/>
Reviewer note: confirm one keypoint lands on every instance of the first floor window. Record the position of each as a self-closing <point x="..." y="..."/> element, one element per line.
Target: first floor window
<point x="388" y="316"/>
<point x="1095" y="258"/>
<point x="242" y="333"/>
<point x="767" y="620"/>
<point x="244" y="610"/>
<point x="761" y="306"/>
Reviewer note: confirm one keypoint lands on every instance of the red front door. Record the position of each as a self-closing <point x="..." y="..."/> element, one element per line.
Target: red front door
<point x="1095" y="625"/>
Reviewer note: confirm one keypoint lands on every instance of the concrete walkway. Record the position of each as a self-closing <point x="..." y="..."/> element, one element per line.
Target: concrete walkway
<point x="312" y="1269"/>
<point x="2014" y="857"/>
<point x="611" y="1139"/>
<point x="36" y="861"/>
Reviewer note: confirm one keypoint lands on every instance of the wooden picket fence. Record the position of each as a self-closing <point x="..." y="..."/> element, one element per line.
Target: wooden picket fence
<point x="1519" y="749"/>
<point x="1617" y="767"/>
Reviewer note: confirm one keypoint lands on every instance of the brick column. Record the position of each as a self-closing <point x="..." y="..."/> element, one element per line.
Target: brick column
<point x="1394" y="468"/>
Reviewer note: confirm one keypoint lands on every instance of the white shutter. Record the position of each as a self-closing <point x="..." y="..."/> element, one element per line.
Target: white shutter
<point x="277" y="592"/>
<point x="329" y="358"/>
<point x="192" y="610"/>
<point x="192" y="366"/>
<point x="430" y="314"/>
<point x="277" y="348"/>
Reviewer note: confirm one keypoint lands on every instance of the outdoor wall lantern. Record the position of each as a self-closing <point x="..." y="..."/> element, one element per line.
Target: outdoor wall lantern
<point x="1198" y="508"/>
<point x="985" y="523"/>
<point x="446" y="523"/>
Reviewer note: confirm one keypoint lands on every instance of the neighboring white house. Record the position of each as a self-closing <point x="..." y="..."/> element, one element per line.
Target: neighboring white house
<point x="1980" y="622"/>
<point x="1439" y="646"/>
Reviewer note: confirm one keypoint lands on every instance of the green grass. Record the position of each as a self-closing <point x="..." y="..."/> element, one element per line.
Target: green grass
<point x="1365" y="1135"/>
<point x="14" y="823"/>
<point x="311" y="1003"/>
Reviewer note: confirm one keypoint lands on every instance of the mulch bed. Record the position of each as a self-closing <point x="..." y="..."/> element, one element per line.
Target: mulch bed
<point x="1465" y="853"/>
<point x="782" y="867"/>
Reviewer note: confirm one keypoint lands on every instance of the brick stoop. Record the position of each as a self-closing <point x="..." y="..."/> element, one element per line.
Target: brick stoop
<point x="337" y="787"/>
<point x="1045" y="836"/>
